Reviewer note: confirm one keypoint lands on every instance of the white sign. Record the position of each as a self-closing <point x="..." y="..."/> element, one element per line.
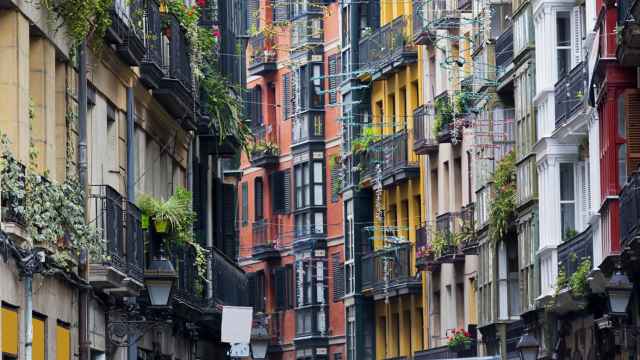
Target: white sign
<point x="236" y="324"/>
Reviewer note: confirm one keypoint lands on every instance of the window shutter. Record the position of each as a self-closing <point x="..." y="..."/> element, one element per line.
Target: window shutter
<point x="251" y="289"/>
<point x="293" y="94"/>
<point x="290" y="286"/>
<point x="632" y="122"/>
<point x="333" y="80"/>
<point x="280" y="10"/>
<point x="277" y="192"/>
<point x="577" y="35"/>
<point x="287" y="191"/>
<point x="245" y="203"/>
<point x="253" y="14"/>
<point x="286" y="96"/>
<point x="336" y="181"/>
<point x="586" y="194"/>
<point x="280" y="281"/>
<point x="258" y="198"/>
<point x="229" y="217"/>
<point x="338" y="277"/>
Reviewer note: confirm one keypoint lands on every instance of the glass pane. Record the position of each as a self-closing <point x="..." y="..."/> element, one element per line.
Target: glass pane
<point x="317" y="172"/>
<point x="566" y="182"/>
<point x="319" y="222"/>
<point x="567" y="213"/>
<point x="317" y="195"/>
<point x="622" y="164"/>
<point x="563" y="29"/>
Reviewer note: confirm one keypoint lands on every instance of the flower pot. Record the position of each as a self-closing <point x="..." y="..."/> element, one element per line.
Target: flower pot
<point x="161" y="226"/>
<point x="144" y="222"/>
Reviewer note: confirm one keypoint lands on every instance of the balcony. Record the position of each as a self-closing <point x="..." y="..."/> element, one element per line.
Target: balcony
<point x="306" y="31"/>
<point x="121" y="271"/>
<point x="570" y="94"/>
<point x="443" y="15"/>
<point x="229" y="282"/>
<point x="265" y="235"/>
<point x="443" y="352"/>
<point x="151" y="68"/>
<point x="262" y="55"/>
<point x="629" y="215"/>
<point x="451" y="234"/>
<point x="424" y="253"/>
<point x="386" y="50"/>
<point x="424" y="142"/>
<point x="264" y="153"/>
<point x="421" y="34"/>
<point x="628" y="50"/>
<point x="124" y="33"/>
<point x="189" y="290"/>
<point x="175" y="90"/>
<point x="389" y="157"/>
<point x="396" y="280"/>
<point x="504" y="52"/>
<point x="469" y="244"/>
<point x="267" y="326"/>
<point x="571" y="254"/>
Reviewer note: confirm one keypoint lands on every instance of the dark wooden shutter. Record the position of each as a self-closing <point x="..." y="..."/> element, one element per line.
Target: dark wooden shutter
<point x="333" y="80"/>
<point x="229" y="212"/>
<point x="280" y="287"/>
<point x="260" y="291"/>
<point x="632" y="122"/>
<point x="336" y="181"/>
<point x="245" y="203"/>
<point x="290" y="286"/>
<point x="286" y="95"/>
<point x="258" y="198"/>
<point x="276" y="183"/>
<point x="251" y="289"/>
<point x="338" y="277"/>
<point x="287" y="191"/>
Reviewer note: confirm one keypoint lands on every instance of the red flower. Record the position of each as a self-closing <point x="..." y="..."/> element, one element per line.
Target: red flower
<point x="215" y="33"/>
<point x="201" y="3"/>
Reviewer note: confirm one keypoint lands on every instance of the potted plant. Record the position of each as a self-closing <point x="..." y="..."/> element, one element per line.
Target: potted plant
<point x="459" y="341"/>
<point x="171" y="216"/>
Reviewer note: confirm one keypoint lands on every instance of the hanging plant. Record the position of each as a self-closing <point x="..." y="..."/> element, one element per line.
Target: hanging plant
<point x="502" y="209"/>
<point x="443" y="114"/>
<point x="175" y="218"/>
<point x="363" y="143"/>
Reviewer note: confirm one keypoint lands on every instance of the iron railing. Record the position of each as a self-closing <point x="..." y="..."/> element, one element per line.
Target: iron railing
<point x="423" y="137"/>
<point x="265" y="233"/>
<point x="443" y="14"/>
<point x="176" y="60"/>
<point x="109" y="213"/>
<point x="189" y="287"/>
<point x="398" y="268"/>
<point x="153" y="37"/>
<point x="630" y="210"/>
<point x="395" y="152"/>
<point x="262" y="51"/>
<point x="229" y="281"/>
<point x="570" y="93"/>
<point x="574" y="251"/>
<point x="504" y="51"/>
<point x="135" y="243"/>
<point x="385" y="45"/>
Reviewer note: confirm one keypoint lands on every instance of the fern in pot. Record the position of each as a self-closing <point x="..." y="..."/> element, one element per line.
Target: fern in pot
<point x="172" y="216"/>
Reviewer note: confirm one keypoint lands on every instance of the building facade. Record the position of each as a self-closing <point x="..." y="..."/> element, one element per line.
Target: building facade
<point x="87" y="131"/>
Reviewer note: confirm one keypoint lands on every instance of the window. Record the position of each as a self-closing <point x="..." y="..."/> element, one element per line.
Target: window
<point x="302" y="185"/>
<point x="245" y="203"/>
<point x="567" y="200"/>
<point x="258" y="199"/>
<point x="318" y="183"/>
<point x="63" y="342"/>
<point x="38" y="328"/>
<point x="563" y="42"/>
<point x="9" y="322"/>
<point x="112" y="135"/>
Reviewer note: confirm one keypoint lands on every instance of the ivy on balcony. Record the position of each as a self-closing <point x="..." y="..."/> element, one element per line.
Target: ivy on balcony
<point x="83" y="19"/>
<point x="52" y="214"/>
<point x="503" y="208"/>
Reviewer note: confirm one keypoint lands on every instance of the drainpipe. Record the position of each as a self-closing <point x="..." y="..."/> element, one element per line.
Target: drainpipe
<point x="28" y="317"/>
<point x="132" y="348"/>
<point x="83" y="266"/>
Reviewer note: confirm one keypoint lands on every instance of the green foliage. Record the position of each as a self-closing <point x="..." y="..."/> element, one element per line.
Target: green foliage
<point x="53" y="213"/>
<point x="264" y="147"/>
<point x="462" y="103"/>
<point x="569" y="234"/>
<point x="578" y="281"/>
<point x="459" y="340"/>
<point x="368" y="137"/>
<point x="443" y="114"/>
<point x="439" y="242"/>
<point x="502" y="209"/>
<point x="178" y="212"/>
<point x="84" y="19"/>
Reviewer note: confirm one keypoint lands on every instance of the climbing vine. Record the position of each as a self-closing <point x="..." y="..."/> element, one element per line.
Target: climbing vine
<point x="83" y="19"/>
<point x="502" y="209"/>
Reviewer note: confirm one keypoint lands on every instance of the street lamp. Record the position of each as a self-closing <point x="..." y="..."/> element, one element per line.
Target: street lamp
<point x="528" y="347"/>
<point x="618" y="293"/>
<point x="159" y="278"/>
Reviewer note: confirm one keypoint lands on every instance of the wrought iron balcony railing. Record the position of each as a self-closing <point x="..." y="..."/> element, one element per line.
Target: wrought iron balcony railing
<point x="107" y="206"/>
<point x="265" y="237"/>
<point x="628" y="51"/>
<point x="151" y="68"/>
<point x="391" y="155"/>
<point x="424" y="141"/>
<point x="262" y="55"/>
<point x="570" y="94"/>
<point x="135" y="243"/>
<point x="504" y="51"/>
<point x="387" y="48"/>
<point x="229" y="281"/>
<point x="387" y="269"/>
<point x="572" y="252"/>
<point x="443" y="14"/>
<point x="125" y="31"/>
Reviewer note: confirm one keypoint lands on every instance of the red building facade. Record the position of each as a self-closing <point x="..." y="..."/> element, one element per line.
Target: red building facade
<point x="290" y="221"/>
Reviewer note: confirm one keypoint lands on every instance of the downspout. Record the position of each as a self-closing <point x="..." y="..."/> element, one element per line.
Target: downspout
<point x="83" y="266"/>
<point x="132" y="348"/>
